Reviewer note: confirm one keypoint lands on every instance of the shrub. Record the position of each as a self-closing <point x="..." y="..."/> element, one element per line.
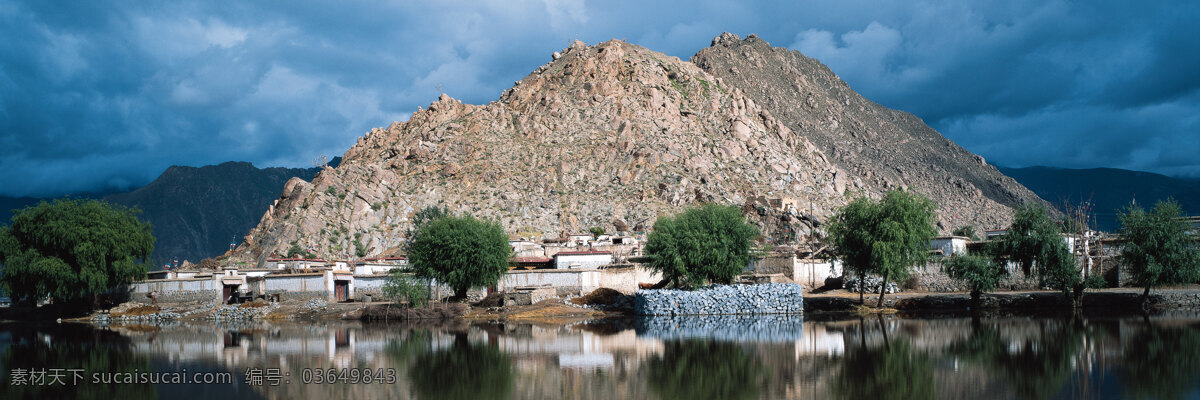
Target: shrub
<point x="403" y="287"/>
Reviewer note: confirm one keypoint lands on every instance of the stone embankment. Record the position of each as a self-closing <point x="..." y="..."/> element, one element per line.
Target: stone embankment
<point x="772" y="298"/>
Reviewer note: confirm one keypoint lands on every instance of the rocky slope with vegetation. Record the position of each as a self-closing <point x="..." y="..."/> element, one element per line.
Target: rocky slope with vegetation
<point x="615" y="135"/>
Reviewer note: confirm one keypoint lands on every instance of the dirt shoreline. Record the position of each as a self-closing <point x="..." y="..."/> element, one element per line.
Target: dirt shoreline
<point x="1103" y="302"/>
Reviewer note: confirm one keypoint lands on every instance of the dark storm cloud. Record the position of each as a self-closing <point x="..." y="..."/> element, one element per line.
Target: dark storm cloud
<point x="96" y="94"/>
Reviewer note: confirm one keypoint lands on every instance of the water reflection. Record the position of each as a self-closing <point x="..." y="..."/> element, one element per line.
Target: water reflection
<point x="703" y="369"/>
<point x="1163" y="363"/>
<point x="58" y="362"/>
<point x="874" y="358"/>
<point x="894" y="371"/>
<point x="465" y="370"/>
<point x="1035" y="364"/>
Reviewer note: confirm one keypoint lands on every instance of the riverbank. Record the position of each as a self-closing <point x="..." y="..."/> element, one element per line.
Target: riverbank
<point x="1121" y="301"/>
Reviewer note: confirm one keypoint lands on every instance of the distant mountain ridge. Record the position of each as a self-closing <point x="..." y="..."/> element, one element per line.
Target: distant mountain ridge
<point x="197" y="212"/>
<point x="1110" y="189"/>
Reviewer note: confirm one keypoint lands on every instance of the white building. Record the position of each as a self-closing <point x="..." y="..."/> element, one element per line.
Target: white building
<point x="582" y="259"/>
<point x="947" y="246"/>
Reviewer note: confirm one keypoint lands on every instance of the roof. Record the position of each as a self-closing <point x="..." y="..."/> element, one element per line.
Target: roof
<point x="530" y="259"/>
<point x="385" y="258"/>
<point x="580" y="253"/>
<point x="294" y="259"/>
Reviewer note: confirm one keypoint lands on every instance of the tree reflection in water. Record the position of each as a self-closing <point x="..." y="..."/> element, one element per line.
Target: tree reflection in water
<point x="700" y="369"/>
<point x="66" y="347"/>
<point x="892" y="371"/>
<point x="465" y="370"/>
<point x="1162" y="363"/>
<point x="1035" y="367"/>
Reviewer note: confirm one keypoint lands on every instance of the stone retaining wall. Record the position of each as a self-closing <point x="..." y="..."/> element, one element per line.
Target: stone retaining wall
<point x="306" y="295"/>
<point x="772" y="298"/>
<point x="930" y="278"/>
<point x="178" y="296"/>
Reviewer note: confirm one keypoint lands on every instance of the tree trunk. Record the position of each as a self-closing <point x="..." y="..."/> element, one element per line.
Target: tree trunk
<point x="460" y="294"/>
<point x="882" y="290"/>
<point x="862" y="287"/>
<point x="975" y="296"/>
<point x="1146" y="297"/>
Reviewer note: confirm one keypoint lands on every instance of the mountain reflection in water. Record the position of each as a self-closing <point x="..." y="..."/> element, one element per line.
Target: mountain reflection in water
<point x="875" y="357"/>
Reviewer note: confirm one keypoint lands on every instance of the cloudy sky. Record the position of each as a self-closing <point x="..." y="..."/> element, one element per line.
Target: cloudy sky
<point x="97" y="95"/>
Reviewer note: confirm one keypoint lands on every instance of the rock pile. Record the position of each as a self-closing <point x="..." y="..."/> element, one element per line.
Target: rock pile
<point x="872" y="285"/>
<point x="314" y="305"/>
<point x="771" y="298"/>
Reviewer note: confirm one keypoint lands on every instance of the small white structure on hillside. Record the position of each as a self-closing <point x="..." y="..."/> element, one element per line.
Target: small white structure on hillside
<point x="947" y="246"/>
<point x="379" y="265"/>
<point x="580" y="239"/>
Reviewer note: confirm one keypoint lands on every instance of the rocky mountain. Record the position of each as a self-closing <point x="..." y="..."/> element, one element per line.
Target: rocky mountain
<point x="617" y="135"/>
<point x="868" y="143"/>
<point x="197" y="211"/>
<point x="1109" y="189"/>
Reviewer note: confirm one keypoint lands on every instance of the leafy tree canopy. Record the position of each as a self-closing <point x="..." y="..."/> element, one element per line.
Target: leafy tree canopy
<point x="72" y="249"/>
<point x="1158" y="249"/>
<point x="461" y="252"/>
<point x="706" y="243"/>
<point x="884" y="237"/>
<point x="1035" y="243"/>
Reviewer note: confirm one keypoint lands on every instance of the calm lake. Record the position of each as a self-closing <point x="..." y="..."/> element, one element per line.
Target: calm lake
<point x="874" y="357"/>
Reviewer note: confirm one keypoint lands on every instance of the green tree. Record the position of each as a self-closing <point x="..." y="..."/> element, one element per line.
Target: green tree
<point x="403" y="287"/>
<point x="461" y="252"/>
<point x="885" y="237"/>
<point x="596" y="231"/>
<point x="980" y="274"/>
<point x="1035" y="243"/>
<point x="1158" y="249"/>
<point x="706" y="243"/>
<point x="72" y="249"/>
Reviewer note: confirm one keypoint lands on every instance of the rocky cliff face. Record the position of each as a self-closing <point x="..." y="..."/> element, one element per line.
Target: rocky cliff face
<point x="617" y="135"/>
